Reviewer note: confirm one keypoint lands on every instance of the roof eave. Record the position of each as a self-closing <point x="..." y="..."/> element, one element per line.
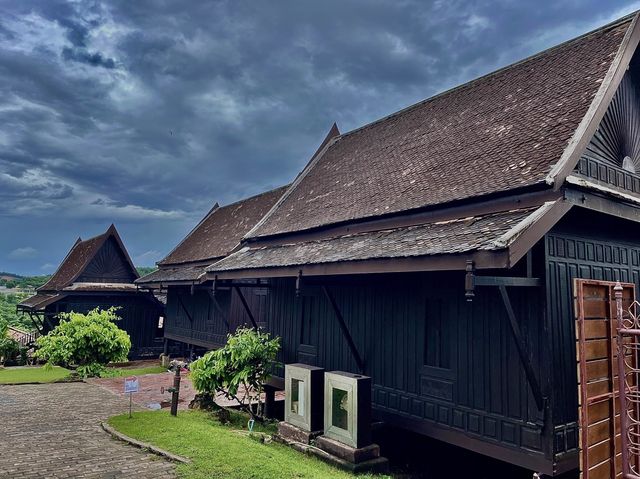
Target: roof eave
<point x="504" y="253"/>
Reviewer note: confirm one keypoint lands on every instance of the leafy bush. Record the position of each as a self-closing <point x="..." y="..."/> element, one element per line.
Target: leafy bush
<point x="239" y="370"/>
<point x="87" y="341"/>
<point x="9" y="314"/>
<point x="9" y="347"/>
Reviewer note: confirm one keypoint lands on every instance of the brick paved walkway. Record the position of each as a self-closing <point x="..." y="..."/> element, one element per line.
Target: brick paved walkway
<point x="150" y="387"/>
<point x="53" y="431"/>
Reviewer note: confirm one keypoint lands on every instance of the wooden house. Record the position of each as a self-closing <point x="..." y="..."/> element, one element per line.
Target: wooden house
<point x="438" y="249"/>
<point x="98" y="272"/>
<point x="194" y="316"/>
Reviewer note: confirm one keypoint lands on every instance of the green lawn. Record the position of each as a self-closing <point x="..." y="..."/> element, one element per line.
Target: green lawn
<point x="220" y="451"/>
<point x="118" y="372"/>
<point x="32" y="374"/>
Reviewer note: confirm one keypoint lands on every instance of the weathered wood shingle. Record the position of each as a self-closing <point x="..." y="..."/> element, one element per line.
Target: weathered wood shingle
<point x="501" y="132"/>
<point x="441" y="237"/>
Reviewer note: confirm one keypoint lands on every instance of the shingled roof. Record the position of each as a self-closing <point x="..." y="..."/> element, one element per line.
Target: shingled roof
<point x="79" y="257"/>
<point x="512" y="129"/>
<point x="213" y="238"/>
<point x="486" y="232"/>
<point x="76" y="264"/>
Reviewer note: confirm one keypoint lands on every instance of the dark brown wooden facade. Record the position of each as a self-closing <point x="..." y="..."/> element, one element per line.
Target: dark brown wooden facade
<point x="98" y="273"/>
<point x="458" y="303"/>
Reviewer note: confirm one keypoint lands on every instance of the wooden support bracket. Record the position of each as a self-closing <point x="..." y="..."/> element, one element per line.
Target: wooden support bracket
<point x="521" y="345"/>
<point x="184" y="308"/>
<point x="246" y="307"/>
<point x="345" y="330"/>
<point x="214" y="300"/>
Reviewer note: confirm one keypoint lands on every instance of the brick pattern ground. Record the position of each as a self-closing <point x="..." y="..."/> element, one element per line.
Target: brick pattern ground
<point x="53" y="431"/>
<point x="150" y="387"/>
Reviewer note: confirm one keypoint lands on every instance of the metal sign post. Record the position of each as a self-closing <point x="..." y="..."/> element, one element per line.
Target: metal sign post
<point x="131" y="386"/>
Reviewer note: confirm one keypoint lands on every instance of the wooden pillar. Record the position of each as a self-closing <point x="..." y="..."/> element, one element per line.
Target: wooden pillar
<point x="269" y="401"/>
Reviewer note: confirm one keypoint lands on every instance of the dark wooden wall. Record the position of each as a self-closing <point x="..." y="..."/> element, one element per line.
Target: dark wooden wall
<point x="139" y="315"/>
<point x="438" y="363"/>
<point x="585" y="245"/>
<point x="433" y="356"/>
<point x="194" y="318"/>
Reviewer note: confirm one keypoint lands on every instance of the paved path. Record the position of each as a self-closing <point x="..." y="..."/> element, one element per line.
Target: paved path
<point x="150" y="390"/>
<point x="53" y="431"/>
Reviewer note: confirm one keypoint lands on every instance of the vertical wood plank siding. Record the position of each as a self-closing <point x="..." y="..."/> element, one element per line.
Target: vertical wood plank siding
<point x="194" y="319"/>
<point x="465" y="376"/>
<point x="584" y="245"/>
<point x="139" y="318"/>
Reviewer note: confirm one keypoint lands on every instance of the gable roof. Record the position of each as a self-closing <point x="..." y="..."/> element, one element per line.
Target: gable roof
<point x="79" y="257"/>
<point x="519" y="127"/>
<point x="222" y="229"/>
<point x="219" y="233"/>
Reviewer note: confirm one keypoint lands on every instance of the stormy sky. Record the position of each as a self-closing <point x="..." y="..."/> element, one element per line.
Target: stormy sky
<point x="145" y="113"/>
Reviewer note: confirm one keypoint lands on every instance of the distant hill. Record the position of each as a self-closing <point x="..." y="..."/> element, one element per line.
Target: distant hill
<point x="9" y="276"/>
<point x="11" y="280"/>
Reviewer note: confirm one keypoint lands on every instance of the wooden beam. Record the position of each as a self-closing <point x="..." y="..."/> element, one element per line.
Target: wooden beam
<point x="507" y="281"/>
<point x="598" y="202"/>
<point x="521" y="346"/>
<point x="345" y="329"/>
<point x="246" y="307"/>
<point x="216" y="305"/>
<point x="39" y="327"/>
<point x="446" y="262"/>
<point x="184" y="309"/>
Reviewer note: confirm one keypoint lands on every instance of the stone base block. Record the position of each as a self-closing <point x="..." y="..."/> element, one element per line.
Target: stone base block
<point x="348" y="453"/>
<point x="373" y="465"/>
<point x="289" y="432"/>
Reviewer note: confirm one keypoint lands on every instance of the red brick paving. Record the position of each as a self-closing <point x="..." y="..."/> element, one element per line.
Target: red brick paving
<point x="150" y="390"/>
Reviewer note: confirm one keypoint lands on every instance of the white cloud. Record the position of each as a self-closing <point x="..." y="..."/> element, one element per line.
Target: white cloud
<point x="26" y="252"/>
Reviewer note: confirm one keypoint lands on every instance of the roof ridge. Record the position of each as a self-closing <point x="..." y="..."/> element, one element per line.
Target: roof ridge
<point x="217" y="207"/>
<point x="330" y="138"/>
<point x="255" y="196"/>
<point x="609" y="26"/>
<point x="212" y="210"/>
<point x="75" y="245"/>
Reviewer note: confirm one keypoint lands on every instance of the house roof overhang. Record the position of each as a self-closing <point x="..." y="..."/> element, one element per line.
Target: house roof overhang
<point x="39" y="302"/>
<point x="492" y="240"/>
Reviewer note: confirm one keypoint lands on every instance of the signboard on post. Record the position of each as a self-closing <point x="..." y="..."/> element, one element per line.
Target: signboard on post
<point x="131" y="386"/>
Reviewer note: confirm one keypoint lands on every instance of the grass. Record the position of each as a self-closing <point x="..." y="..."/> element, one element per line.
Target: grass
<point x="219" y="451"/>
<point x="32" y="374"/>
<point x="119" y="372"/>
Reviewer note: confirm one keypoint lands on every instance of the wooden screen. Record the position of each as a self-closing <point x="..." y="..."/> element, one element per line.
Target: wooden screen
<point x="595" y="309"/>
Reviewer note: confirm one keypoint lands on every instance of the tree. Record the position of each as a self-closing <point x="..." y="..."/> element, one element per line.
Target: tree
<point x="9" y="314"/>
<point x="86" y="341"/>
<point x="239" y="370"/>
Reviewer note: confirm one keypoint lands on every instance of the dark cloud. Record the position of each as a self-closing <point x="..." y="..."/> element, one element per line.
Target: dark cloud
<point x="83" y="56"/>
<point x="145" y="113"/>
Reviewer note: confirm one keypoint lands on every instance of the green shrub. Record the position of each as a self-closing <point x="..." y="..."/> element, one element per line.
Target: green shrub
<point x="87" y="341"/>
<point x="239" y="370"/>
<point x="9" y="347"/>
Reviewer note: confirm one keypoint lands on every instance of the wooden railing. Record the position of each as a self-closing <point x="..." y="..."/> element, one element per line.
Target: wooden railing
<point x="24" y="338"/>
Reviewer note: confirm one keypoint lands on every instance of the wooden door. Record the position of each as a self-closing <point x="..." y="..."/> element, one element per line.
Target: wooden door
<point x="595" y="309"/>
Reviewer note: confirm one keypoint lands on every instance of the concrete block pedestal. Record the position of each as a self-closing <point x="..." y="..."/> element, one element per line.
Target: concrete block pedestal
<point x="357" y="460"/>
<point x="289" y="432"/>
